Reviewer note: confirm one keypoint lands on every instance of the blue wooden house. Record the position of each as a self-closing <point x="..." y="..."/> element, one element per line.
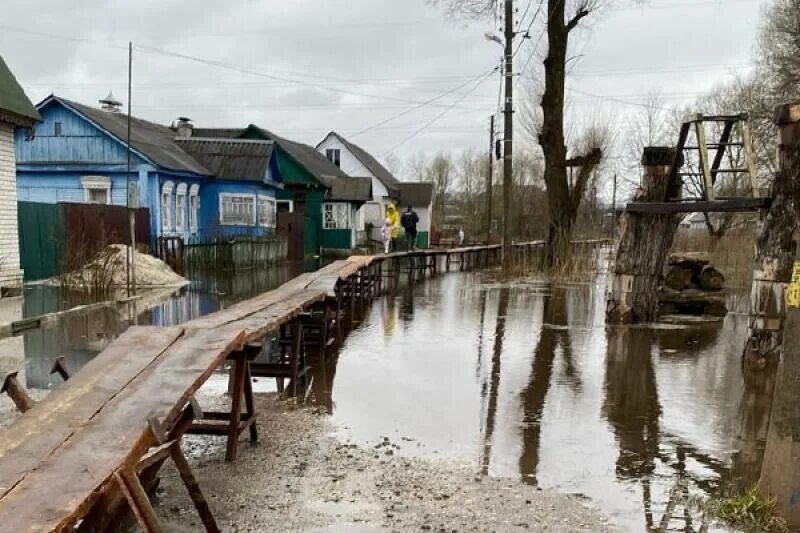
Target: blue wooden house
<point x="200" y="189"/>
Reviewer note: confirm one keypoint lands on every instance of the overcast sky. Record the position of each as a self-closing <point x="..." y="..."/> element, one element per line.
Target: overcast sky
<point x="304" y="67"/>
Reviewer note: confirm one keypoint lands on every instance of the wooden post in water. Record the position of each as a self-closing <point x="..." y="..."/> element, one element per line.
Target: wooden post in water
<point x="780" y="473"/>
<point x="775" y="326"/>
<point x="645" y="241"/>
<point x="775" y="253"/>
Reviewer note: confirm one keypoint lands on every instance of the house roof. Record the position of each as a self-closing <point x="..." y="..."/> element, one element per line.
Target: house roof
<point x="307" y="156"/>
<point x="416" y="194"/>
<point x="154" y="141"/>
<point x="347" y="189"/>
<point x="219" y="133"/>
<point x="372" y="164"/>
<point x="14" y="104"/>
<point x="232" y="159"/>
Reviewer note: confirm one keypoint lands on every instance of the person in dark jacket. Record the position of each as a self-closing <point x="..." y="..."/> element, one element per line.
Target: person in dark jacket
<point x="409" y="222"/>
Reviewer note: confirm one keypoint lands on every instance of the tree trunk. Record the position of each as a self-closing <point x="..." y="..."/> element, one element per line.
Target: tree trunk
<point x="645" y="242"/>
<point x="562" y="198"/>
<point x="562" y="214"/>
<point x="775" y="250"/>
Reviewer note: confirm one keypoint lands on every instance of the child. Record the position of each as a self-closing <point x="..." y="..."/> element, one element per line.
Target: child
<point x="386" y="235"/>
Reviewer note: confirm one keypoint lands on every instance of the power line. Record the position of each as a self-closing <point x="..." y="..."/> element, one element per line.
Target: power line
<point x="235" y="68"/>
<point x="436" y="118"/>
<point x="423" y="104"/>
<point x="526" y="35"/>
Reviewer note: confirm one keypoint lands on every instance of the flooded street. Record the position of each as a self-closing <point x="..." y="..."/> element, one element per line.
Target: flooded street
<point x="518" y="381"/>
<point x="525" y="381"/>
<point x="81" y="337"/>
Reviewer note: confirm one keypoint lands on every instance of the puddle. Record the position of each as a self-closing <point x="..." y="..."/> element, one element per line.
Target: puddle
<point x="527" y="382"/>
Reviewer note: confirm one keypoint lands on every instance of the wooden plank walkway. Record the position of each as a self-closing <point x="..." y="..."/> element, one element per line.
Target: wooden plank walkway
<point x="79" y="445"/>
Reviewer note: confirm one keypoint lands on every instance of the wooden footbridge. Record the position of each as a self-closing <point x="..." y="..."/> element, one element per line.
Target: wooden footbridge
<point x="86" y="457"/>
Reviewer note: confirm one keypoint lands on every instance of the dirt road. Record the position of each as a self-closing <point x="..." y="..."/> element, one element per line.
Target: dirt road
<point x="299" y="477"/>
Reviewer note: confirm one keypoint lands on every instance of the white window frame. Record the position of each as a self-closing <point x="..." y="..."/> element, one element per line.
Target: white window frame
<point x="281" y="202"/>
<point x="194" y="207"/>
<point x="90" y="183"/>
<point x="249" y="196"/>
<point x="337" y="215"/>
<point x="272" y="211"/>
<point x="332" y="154"/>
<point x="166" y="206"/>
<point x="180" y="207"/>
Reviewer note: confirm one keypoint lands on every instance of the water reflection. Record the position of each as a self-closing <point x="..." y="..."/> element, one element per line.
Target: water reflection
<point x="526" y="381"/>
<point x="494" y="380"/>
<point x="81" y="337"/>
<point x="552" y="337"/>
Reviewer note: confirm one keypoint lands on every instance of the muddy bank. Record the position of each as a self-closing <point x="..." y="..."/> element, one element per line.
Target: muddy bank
<point x="301" y="478"/>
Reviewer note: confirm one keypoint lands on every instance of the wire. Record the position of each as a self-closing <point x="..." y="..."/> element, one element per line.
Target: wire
<point x="528" y="30"/>
<point x="423" y="104"/>
<point x="436" y="118"/>
<point x="235" y="68"/>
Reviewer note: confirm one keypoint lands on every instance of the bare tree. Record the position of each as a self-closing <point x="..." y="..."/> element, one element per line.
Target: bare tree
<point x="440" y="172"/>
<point x="469" y="8"/>
<point x="563" y="200"/>
<point x="779" y="48"/>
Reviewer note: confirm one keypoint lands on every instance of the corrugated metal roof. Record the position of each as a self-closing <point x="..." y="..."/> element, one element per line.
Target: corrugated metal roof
<point x="347" y="189"/>
<point x="416" y="194"/>
<point x="316" y="163"/>
<point x="372" y="164"/>
<point x="154" y="141"/>
<point x="307" y="156"/>
<point x="13" y="99"/>
<point x="232" y="159"/>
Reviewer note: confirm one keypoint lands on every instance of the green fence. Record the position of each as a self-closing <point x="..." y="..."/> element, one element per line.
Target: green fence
<point x="41" y="239"/>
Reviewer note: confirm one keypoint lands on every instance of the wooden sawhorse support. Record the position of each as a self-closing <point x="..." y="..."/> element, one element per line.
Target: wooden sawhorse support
<point x="130" y="479"/>
<point x="233" y="423"/>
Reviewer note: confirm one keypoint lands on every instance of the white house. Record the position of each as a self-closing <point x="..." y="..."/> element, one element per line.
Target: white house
<point x="16" y="111"/>
<point x="357" y="162"/>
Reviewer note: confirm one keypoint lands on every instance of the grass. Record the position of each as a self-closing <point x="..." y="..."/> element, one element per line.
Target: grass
<point x="750" y="511"/>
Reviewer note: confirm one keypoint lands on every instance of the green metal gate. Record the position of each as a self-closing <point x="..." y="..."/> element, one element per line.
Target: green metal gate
<point x="41" y="239"/>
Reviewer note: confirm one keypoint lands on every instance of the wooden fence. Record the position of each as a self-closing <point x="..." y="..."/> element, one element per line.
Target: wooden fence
<point x="235" y="254"/>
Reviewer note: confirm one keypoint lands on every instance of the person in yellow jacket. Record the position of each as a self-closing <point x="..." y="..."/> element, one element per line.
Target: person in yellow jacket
<point x="394" y="219"/>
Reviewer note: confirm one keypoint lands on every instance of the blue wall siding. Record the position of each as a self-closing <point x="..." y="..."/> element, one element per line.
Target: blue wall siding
<point x="52" y="187"/>
<point x="50" y="169"/>
<point x="208" y="217"/>
<point x="79" y="141"/>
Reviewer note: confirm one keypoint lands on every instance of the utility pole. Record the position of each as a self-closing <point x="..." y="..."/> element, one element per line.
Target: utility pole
<point x="133" y="193"/>
<point x="508" y="135"/>
<point x="614" y="210"/>
<point x="489" y="182"/>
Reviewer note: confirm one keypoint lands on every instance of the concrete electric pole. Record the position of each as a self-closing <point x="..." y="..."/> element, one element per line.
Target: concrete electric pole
<point x="489" y="181"/>
<point x="508" y="134"/>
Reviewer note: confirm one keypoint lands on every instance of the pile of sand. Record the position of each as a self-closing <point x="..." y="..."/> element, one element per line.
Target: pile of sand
<point x="109" y="269"/>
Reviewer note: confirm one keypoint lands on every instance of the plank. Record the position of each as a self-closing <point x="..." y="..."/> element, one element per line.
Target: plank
<point x="326" y="284"/>
<point x="715" y="206"/>
<point x="253" y="305"/>
<point x="269" y="320"/>
<point x="34" y="436"/>
<point x="65" y="485"/>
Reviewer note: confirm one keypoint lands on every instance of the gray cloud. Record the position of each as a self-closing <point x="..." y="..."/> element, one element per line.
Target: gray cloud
<point x="390" y="53"/>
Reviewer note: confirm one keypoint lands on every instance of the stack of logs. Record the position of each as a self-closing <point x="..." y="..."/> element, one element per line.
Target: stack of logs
<point x="692" y="286"/>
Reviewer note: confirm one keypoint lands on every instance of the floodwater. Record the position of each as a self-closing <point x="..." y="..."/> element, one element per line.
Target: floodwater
<point x="526" y="381"/>
<point x="80" y="337"/>
<point x="521" y="381"/>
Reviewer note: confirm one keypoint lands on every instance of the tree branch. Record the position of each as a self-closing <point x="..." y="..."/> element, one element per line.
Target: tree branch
<point x="574" y="21"/>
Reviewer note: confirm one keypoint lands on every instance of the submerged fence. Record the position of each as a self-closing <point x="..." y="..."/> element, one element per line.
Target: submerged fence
<point x="235" y="254"/>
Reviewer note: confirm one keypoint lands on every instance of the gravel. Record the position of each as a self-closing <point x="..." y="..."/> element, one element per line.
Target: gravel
<point x="300" y="477"/>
